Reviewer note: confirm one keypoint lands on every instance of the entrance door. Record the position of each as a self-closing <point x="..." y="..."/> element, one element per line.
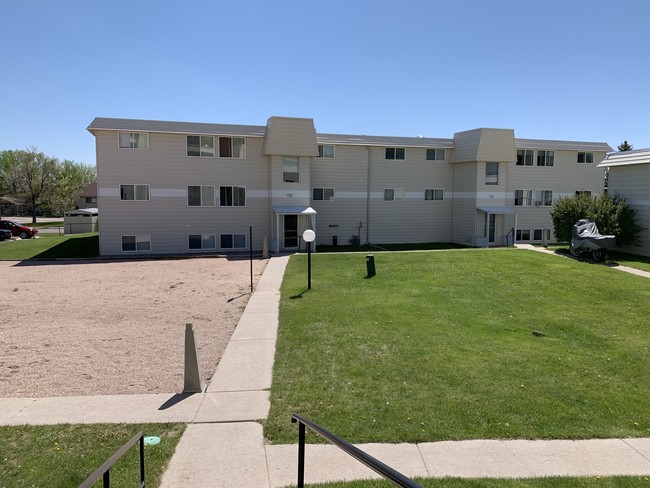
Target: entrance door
<point x="491" y="227"/>
<point x="290" y="231"/>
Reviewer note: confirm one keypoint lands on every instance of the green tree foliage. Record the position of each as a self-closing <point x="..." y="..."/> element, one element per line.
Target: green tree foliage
<point x="71" y="178"/>
<point x="612" y="215"/>
<point x="625" y="146"/>
<point x="42" y="181"/>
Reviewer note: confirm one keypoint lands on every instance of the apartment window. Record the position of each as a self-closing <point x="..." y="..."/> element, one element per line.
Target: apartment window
<point x="326" y="194"/>
<point x="394" y="195"/>
<point x="232" y="196"/>
<point x="201" y="241"/>
<point x="525" y="157"/>
<point x="523" y="234"/>
<point x="233" y="241"/>
<point x="583" y="193"/>
<point x="433" y="194"/>
<point x="545" y="158"/>
<point x="200" y="146"/>
<point x="395" y="153"/>
<point x="232" y="147"/>
<point x="325" y="151"/>
<point x="523" y="198"/>
<point x="491" y="173"/>
<point x="290" y="169"/>
<point x="586" y="157"/>
<point x="134" y="192"/>
<point x="435" y="154"/>
<point x="136" y="243"/>
<point x="133" y="140"/>
<point x="91" y="200"/>
<point x="200" y="196"/>
<point x="543" y="198"/>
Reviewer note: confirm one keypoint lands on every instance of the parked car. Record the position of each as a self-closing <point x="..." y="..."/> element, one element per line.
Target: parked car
<point x="16" y="229"/>
<point x="5" y="234"/>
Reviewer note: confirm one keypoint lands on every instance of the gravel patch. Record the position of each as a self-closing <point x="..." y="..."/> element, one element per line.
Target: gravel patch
<point x="115" y="327"/>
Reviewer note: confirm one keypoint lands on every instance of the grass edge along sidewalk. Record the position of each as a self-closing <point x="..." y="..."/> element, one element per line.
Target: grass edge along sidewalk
<point x="64" y="455"/>
<point x="461" y="345"/>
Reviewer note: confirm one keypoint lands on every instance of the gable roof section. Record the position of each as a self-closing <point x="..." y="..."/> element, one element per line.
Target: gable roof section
<point x="626" y="158"/>
<point x="561" y="145"/>
<point x="385" y="141"/>
<point x="136" y="125"/>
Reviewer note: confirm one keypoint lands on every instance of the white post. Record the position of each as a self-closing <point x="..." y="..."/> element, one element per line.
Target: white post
<point x="192" y="383"/>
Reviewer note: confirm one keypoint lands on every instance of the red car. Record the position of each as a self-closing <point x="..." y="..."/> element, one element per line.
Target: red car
<point x="16" y="229"/>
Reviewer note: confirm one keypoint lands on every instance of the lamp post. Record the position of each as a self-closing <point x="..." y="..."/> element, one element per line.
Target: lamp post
<point x="309" y="236"/>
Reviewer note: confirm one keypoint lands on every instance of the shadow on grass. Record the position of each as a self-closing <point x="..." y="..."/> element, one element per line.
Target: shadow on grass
<point x="80" y="247"/>
<point x="299" y="295"/>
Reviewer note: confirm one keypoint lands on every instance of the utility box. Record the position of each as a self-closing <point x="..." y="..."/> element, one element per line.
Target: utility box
<point x="370" y="265"/>
<point x="335" y="240"/>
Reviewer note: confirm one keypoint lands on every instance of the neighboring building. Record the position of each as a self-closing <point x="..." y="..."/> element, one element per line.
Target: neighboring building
<point x="629" y="176"/>
<point x="88" y="196"/>
<point x="175" y="187"/>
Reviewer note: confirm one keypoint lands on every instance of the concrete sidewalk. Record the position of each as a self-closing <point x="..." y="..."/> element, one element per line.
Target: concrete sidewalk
<point x="224" y="446"/>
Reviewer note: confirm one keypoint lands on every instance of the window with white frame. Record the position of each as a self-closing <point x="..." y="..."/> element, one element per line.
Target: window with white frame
<point x="233" y="241"/>
<point x="326" y="194"/>
<point x="232" y="196"/>
<point x="523" y="234"/>
<point x="395" y="153"/>
<point x="200" y="196"/>
<point x="523" y="198"/>
<point x="326" y="151"/>
<point x="133" y="140"/>
<point x="491" y="173"/>
<point x="583" y="193"/>
<point x="545" y="158"/>
<point x="586" y="157"/>
<point x="290" y="169"/>
<point x="394" y="195"/>
<point x="232" y="147"/>
<point x="543" y="198"/>
<point x="435" y="155"/>
<point x="525" y="157"/>
<point x="201" y="241"/>
<point x="134" y="192"/>
<point x="434" y="194"/>
<point x="200" y="146"/>
<point x="136" y="243"/>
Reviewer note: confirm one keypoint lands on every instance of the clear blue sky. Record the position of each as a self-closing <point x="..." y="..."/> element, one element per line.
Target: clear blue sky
<point x="573" y="70"/>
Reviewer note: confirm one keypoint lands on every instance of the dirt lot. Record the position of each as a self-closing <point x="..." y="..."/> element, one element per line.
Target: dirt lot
<point x="88" y="328"/>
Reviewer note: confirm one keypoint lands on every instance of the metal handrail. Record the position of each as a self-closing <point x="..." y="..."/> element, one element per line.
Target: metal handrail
<point x="512" y="231"/>
<point x="377" y="466"/>
<point x="104" y="471"/>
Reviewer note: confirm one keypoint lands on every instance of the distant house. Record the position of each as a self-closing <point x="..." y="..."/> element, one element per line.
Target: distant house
<point x="629" y="175"/>
<point x="88" y="196"/>
<point x="181" y="187"/>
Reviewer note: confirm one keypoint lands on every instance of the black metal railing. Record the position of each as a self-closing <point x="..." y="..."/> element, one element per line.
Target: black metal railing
<point x="512" y="231"/>
<point x="104" y="471"/>
<point x="377" y="466"/>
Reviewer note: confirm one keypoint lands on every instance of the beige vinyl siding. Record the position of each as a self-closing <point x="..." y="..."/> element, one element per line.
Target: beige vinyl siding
<point x="464" y="204"/>
<point x="484" y="145"/>
<point x="291" y="194"/>
<point x="631" y="182"/>
<point x="290" y="137"/>
<point x="168" y="171"/>
<point x="348" y="175"/>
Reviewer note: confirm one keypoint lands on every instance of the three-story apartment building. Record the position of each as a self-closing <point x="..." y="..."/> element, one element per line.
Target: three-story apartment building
<point x="178" y="187"/>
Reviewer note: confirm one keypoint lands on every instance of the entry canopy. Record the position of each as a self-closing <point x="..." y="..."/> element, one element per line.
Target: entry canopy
<point x="497" y="210"/>
<point x="294" y="210"/>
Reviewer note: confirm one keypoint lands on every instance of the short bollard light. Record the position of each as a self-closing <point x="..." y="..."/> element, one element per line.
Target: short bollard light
<point x="370" y="265"/>
<point x="309" y="236"/>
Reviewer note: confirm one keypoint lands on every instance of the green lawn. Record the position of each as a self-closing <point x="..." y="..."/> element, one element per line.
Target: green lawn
<point x="65" y="455"/>
<point x="464" y="344"/>
<point x="601" y="482"/>
<point x="51" y="246"/>
<point x="614" y="257"/>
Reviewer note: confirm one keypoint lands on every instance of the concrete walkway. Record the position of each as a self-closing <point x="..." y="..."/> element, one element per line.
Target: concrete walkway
<point x="224" y="446"/>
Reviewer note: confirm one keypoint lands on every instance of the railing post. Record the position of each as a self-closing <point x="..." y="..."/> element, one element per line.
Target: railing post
<point x="142" y="460"/>
<point x="107" y="478"/>
<point x="301" y="455"/>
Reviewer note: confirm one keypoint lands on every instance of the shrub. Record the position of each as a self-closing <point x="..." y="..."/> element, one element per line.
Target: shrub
<point x="612" y="215"/>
